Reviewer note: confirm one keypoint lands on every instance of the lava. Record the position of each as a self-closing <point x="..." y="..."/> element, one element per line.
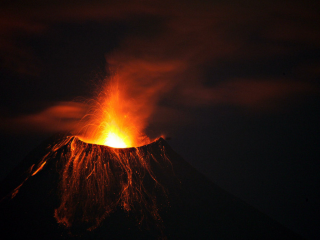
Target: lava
<point x="95" y="180"/>
<point x="115" y="139"/>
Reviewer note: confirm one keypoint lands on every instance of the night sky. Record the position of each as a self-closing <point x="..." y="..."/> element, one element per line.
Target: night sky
<point x="233" y="84"/>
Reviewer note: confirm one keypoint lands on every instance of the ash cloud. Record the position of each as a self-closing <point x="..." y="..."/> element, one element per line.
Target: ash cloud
<point x="161" y="59"/>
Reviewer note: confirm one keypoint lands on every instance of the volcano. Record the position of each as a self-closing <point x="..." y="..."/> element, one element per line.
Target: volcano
<point x="48" y="196"/>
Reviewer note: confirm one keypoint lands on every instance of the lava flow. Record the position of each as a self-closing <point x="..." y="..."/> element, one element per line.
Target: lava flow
<point x="102" y="169"/>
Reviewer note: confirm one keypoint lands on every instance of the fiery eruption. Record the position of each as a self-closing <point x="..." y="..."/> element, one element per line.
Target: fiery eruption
<point x="95" y="179"/>
<point x="112" y="120"/>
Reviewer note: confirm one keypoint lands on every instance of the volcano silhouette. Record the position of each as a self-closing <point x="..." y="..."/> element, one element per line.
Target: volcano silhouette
<point x="191" y="207"/>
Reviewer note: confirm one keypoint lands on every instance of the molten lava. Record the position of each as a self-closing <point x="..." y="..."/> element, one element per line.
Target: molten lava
<point x="115" y="139"/>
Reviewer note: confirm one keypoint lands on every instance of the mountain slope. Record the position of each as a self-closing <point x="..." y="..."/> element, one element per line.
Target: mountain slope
<point x="191" y="207"/>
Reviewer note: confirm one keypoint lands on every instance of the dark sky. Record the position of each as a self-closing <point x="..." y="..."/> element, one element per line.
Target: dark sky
<point x="234" y="84"/>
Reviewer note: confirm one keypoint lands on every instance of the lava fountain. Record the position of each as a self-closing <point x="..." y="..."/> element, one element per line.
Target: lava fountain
<point x="112" y="120"/>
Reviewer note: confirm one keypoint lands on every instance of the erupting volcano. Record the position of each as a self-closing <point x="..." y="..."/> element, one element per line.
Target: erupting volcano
<point x="107" y="180"/>
<point x="103" y="168"/>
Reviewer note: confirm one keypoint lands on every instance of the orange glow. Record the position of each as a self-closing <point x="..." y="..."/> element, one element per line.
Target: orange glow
<point x="111" y="176"/>
<point x="112" y="120"/>
<point x="116" y="139"/>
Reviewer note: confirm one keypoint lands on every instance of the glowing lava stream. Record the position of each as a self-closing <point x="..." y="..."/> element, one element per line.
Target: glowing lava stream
<point x="96" y="180"/>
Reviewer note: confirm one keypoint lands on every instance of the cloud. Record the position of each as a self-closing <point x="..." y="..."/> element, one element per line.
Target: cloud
<point x="14" y="55"/>
<point x="63" y="116"/>
<point x="255" y="94"/>
<point x="192" y="31"/>
<point x="160" y="61"/>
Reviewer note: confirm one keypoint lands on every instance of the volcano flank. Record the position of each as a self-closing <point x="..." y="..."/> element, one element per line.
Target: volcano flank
<point x="69" y="189"/>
